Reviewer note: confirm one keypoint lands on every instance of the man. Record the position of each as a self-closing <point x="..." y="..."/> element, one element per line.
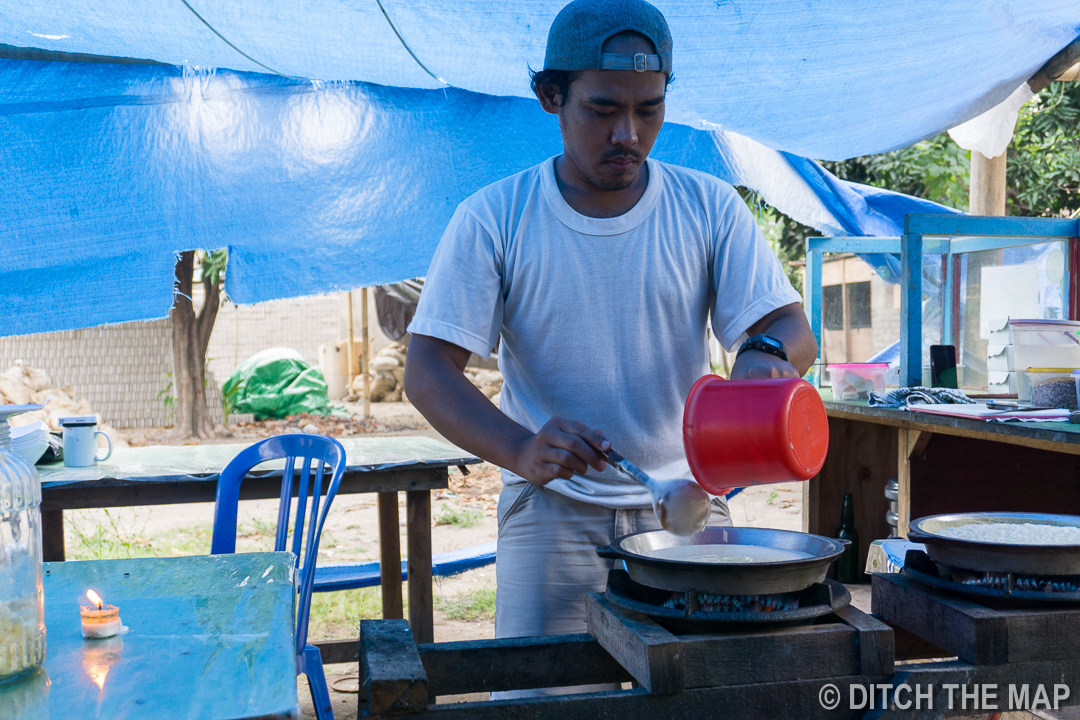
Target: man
<point x="599" y="270"/>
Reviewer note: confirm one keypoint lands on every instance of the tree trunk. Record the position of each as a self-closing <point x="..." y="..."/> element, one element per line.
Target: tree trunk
<point x="191" y="335"/>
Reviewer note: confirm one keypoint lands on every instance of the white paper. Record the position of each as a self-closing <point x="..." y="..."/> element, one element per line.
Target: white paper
<point x="1007" y="291"/>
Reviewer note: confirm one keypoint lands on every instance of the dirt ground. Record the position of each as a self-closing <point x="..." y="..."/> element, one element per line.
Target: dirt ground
<point x="466" y="511"/>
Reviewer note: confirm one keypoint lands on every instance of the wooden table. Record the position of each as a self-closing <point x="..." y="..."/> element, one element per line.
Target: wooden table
<point x="203" y="643"/>
<point x="943" y="464"/>
<point x="186" y="474"/>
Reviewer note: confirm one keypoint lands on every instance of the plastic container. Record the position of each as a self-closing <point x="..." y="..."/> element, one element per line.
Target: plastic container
<point x="855" y="381"/>
<point x="1043" y="344"/>
<point x="334" y="363"/>
<point x="22" y="599"/>
<point x="749" y="432"/>
<point x="1052" y="387"/>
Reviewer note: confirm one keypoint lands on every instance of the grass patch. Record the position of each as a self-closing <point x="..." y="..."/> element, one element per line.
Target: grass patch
<point x="118" y="537"/>
<point x="475" y="605"/>
<point x="338" y="614"/>
<point x="458" y="517"/>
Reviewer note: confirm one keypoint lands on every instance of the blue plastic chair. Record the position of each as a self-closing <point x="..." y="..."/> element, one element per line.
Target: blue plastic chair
<point x="323" y="452"/>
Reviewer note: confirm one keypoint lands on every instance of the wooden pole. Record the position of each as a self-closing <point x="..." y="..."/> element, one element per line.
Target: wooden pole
<point x="987" y="193"/>
<point x="986" y="196"/>
<point x="352" y="357"/>
<point x="365" y="352"/>
<point x="390" y="556"/>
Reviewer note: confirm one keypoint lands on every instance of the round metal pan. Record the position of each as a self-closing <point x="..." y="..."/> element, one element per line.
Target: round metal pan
<point x="997" y="557"/>
<point x="726" y="578"/>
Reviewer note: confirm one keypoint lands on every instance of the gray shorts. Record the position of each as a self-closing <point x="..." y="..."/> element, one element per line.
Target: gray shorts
<point x="547" y="561"/>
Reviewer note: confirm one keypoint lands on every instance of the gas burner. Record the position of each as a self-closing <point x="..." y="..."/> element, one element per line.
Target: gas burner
<point x="693" y="611"/>
<point x="1011" y="589"/>
<point x="707" y="602"/>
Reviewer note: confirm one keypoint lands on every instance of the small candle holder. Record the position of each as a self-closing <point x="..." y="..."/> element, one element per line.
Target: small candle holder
<point x="100" y="621"/>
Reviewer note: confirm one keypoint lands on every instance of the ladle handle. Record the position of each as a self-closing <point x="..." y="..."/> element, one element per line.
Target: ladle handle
<point x="629" y="469"/>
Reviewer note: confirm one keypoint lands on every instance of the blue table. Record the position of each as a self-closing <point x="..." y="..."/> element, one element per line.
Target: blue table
<point x="210" y="637"/>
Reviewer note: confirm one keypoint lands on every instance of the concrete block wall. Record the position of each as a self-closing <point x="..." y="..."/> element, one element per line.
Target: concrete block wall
<point x="119" y="369"/>
<point x="302" y="324"/>
<point x="884" y="313"/>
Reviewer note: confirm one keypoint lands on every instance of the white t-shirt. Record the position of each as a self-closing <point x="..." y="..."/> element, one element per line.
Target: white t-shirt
<point x="602" y="319"/>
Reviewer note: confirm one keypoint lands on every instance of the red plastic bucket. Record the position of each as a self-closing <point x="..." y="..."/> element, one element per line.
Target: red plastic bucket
<point x="750" y="432"/>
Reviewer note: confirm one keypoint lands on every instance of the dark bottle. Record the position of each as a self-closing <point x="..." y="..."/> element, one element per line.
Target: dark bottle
<point x="847" y="565"/>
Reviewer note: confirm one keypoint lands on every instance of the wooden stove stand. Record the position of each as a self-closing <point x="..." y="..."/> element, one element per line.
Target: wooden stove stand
<point x="975" y="633"/>
<point x="766" y="674"/>
<point x="756" y="675"/>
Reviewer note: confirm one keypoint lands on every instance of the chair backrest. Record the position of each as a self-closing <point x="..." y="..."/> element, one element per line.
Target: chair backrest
<point x="318" y="450"/>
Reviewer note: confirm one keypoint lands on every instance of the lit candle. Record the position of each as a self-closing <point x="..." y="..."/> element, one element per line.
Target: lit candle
<point x="99" y="620"/>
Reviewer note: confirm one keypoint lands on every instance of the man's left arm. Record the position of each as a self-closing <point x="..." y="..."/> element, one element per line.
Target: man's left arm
<point x="788" y="325"/>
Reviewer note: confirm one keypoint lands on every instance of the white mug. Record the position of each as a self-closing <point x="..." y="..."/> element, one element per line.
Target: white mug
<point x="80" y="441"/>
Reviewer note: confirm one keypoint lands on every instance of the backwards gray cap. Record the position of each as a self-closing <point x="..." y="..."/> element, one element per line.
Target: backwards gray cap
<point x="580" y="29"/>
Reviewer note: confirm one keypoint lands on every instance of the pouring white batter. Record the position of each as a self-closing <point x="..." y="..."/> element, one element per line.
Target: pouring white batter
<point x="681" y="506"/>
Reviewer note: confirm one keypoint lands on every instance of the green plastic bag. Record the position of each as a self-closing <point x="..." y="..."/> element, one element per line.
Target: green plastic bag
<point x="276" y="383"/>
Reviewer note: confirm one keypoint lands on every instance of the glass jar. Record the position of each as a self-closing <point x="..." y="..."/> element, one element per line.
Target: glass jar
<point x="22" y="599"/>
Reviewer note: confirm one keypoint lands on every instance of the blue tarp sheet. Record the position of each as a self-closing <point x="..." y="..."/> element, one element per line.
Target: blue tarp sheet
<point x="112" y="169"/>
<point x="325" y="184"/>
<point x="820" y="78"/>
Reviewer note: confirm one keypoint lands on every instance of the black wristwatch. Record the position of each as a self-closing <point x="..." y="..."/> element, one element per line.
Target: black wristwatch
<point x="764" y="343"/>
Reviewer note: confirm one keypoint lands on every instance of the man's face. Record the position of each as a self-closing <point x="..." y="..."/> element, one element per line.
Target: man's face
<point x="611" y="119"/>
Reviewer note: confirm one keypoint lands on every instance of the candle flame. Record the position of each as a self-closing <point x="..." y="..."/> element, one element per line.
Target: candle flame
<point x="94" y="598"/>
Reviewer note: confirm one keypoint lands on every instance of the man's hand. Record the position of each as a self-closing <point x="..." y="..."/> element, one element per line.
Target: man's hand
<point x="561" y="449"/>
<point x="754" y="365"/>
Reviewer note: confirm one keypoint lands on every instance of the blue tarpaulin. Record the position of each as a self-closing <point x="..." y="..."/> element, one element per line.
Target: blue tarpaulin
<point x="821" y="78"/>
<point x="335" y="182"/>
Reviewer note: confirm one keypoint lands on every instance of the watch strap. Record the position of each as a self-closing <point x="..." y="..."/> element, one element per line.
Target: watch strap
<point x="762" y="343"/>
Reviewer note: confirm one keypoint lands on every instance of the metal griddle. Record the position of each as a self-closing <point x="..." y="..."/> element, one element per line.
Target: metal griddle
<point x="726" y="578"/>
<point x="997" y="557"/>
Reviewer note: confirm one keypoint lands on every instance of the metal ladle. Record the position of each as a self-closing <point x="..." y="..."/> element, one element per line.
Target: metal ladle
<point x="681" y="505"/>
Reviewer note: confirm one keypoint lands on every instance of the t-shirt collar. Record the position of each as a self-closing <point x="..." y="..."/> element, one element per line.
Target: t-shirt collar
<point x="574" y="220"/>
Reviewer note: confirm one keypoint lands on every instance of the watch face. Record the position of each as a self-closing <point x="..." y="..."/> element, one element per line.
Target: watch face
<point x="771" y="342"/>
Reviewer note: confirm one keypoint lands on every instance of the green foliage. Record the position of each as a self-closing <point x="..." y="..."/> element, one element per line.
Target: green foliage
<point x="166" y="395"/>
<point x="1043" y="171"/>
<point x="212" y="265"/>
<point x="228" y="400"/>
<point x="936" y="169"/>
<point x="458" y="517"/>
<point x="1044" y="157"/>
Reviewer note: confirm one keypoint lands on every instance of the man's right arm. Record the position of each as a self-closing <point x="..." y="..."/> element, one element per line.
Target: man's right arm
<point x="435" y="383"/>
